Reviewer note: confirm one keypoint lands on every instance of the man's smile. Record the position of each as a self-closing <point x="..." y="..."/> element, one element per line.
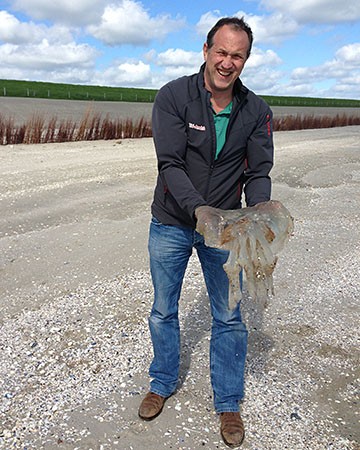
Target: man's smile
<point x="224" y="73"/>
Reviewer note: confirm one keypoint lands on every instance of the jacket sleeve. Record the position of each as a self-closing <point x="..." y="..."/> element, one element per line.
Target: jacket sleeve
<point x="260" y="153"/>
<point x="170" y="139"/>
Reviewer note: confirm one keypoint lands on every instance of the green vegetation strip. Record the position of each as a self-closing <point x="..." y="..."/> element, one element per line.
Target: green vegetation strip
<point x="37" y="89"/>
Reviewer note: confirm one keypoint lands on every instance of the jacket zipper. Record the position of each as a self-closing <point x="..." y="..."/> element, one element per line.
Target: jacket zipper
<point x="213" y="146"/>
<point x="213" y="136"/>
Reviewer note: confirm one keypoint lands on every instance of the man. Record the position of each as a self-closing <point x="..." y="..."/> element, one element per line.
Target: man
<point x="212" y="137"/>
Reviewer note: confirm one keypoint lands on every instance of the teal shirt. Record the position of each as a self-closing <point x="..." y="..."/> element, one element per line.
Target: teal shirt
<point x="221" y="120"/>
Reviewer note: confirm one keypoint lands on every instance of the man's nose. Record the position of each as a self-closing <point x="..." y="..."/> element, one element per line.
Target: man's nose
<point x="227" y="61"/>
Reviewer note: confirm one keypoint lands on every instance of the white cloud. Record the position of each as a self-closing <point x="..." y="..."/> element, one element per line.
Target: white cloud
<point x="207" y="21"/>
<point x="262" y="80"/>
<point x="272" y="29"/>
<point x="15" y="32"/>
<point x="343" y="72"/>
<point x="71" y="12"/>
<point x="349" y="86"/>
<point x="265" y="58"/>
<point x="140" y="74"/>
<point x="45" y="56"/>
<point x="292" y="89"/>
<point x="173" y="72"/>
<point x="259" y="74"/>
<point x="174" y="63"/>
<point x="178" y="57"/>
<point x="269" y="29"/>
<point x="130" y="23"/>
<point x="350" y="54"/>
<point x="126" y="74"/>
<point x="40" y="52"/>
<point x="317" y="11"/>
<point x="346" y="61"/>
<point x="64" y="74"/>
<point x="11" y="30"/>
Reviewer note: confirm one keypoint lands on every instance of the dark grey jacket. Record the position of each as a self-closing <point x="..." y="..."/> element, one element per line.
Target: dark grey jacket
<point x="185" y="141"/>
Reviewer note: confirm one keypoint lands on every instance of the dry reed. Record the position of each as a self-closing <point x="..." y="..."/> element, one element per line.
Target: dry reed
<point x="94" y="127"/>
<point x="300" y="122"/>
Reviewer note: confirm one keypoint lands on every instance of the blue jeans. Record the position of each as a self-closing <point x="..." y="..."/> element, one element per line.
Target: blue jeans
<point x="170" y="248"/>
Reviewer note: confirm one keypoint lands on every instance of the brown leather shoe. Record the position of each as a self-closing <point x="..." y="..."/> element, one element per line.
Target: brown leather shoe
<point x="151" y="406"/>
<point x="232" y="429"/>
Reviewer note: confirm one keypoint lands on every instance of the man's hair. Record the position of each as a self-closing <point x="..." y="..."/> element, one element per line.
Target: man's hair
<point x="236" y="24"/>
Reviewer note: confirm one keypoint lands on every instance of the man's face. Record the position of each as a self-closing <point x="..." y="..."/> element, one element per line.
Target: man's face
<point x="225" y="59"/>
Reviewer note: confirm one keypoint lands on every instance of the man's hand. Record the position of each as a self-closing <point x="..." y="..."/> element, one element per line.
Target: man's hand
<point x="210" y="224"/>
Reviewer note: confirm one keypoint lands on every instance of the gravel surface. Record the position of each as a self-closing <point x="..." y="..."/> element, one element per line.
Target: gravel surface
<point x="75" y="295"/>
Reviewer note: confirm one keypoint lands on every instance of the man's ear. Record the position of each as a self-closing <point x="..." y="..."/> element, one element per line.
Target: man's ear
<point x="205" y="51"/>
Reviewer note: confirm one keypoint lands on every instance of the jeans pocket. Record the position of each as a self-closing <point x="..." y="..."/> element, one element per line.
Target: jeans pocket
<point x="154" y="221"/>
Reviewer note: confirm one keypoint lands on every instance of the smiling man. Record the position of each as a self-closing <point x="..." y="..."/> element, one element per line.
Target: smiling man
<point x="225" y="54"/>
<point x="213" y="138"/>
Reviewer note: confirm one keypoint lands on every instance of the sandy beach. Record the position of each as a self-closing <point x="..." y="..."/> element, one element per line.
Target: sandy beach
<point x="75" y="295"/>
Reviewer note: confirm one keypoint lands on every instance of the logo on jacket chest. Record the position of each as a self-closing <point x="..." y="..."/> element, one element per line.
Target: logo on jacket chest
<point x="197" y="127"/>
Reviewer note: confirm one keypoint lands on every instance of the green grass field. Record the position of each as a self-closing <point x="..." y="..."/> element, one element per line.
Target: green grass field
<point x="15" y="88"/>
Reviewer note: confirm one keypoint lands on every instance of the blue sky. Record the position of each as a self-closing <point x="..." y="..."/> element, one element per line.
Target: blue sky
<point x="302" y="47"/>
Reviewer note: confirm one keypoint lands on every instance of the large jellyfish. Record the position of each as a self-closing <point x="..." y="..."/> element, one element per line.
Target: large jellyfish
<point x="254" y="236"/>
